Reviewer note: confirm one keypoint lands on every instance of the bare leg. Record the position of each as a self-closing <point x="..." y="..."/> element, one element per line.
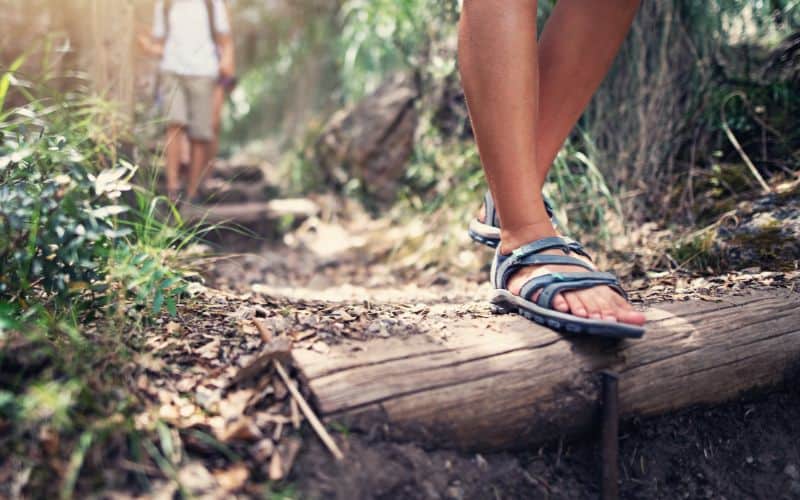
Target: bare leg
<point x="499" y="62"/>
<point x="198" y="165"/>
<point x="173" y="159"/>
<point x="568" y="78"/>
<point x="213" y="148"/>
<point x="578" y="45"/>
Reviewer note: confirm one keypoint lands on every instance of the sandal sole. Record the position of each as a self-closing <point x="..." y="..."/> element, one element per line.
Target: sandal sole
<point x="503" y="302"/>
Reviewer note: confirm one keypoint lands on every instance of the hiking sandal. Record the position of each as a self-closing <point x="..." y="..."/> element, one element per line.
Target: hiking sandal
<point x="550" y="285"/>
<point x="488" y="232"/>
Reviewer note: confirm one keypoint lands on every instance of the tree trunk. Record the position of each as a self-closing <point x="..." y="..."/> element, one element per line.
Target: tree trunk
<point x="504" y="382"/>
<point x="111" y="58"/>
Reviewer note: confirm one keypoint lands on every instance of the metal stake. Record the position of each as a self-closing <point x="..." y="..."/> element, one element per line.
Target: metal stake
<point x="610" y="486"/>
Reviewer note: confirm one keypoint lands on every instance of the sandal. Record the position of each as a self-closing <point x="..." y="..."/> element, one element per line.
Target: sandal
<point x="488" y="232"/>
<point x="550" y="285"/>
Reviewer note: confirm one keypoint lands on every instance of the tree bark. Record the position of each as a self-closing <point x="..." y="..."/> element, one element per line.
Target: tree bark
<point x="504" y="382"/>
<point x="110" y="60"/>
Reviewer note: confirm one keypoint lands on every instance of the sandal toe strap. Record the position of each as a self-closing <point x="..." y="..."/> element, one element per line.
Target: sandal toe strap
<point x="565" y="282"/>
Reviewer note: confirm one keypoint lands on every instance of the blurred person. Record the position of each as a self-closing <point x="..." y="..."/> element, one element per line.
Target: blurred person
<point x="193" y="39"/>
<point x="524" y="96"/>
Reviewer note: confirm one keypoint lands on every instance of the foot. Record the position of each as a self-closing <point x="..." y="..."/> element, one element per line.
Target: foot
<point x="600" y="302"/>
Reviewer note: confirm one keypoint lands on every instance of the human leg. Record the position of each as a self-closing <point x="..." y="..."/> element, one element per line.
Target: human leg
<point x="499" y="60"/>
<point x="201" y="131"/>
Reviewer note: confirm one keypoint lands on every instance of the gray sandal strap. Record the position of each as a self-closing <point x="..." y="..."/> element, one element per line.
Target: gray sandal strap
<point x="551" y="291"/>
<point x="530" y="254"/>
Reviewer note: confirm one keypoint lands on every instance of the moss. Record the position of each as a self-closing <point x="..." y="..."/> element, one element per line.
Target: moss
<point x="768" y="246"/>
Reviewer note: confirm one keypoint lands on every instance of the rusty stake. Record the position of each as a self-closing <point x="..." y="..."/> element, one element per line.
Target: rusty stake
<point x="610" y="436"/>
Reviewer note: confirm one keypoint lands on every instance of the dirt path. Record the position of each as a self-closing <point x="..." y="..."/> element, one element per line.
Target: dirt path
<point x="339" y="289"/>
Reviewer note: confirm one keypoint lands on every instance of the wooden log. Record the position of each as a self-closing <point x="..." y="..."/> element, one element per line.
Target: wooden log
<point x="501" y="382"/>
<point x="251" y="212"/>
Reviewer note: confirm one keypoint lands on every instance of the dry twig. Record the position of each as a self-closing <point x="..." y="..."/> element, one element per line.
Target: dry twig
<point x="309" y="413"/>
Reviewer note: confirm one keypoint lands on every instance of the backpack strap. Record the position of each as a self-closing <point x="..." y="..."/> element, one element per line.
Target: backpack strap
<point x="167" y="7"/>
<point x="212" y="20"/>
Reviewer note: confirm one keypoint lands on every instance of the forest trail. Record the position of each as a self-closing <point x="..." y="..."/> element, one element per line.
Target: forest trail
<point x="336" y="286"/>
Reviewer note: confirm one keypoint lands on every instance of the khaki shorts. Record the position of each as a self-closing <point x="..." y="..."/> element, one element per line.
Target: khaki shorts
<point x="188" y="101"/>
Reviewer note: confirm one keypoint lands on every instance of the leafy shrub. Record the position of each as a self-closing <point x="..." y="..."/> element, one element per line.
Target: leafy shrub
<point x="57" y="218"/>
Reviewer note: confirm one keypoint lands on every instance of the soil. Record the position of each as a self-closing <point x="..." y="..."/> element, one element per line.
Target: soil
<point x="746" y="449"/>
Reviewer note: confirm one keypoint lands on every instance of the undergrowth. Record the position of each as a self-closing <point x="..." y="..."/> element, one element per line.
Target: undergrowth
<point x="85" y="260"/>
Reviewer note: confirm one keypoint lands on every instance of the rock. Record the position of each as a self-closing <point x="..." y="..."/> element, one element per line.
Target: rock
<point x="372" y="141"/>
<point x="792" y="471"/>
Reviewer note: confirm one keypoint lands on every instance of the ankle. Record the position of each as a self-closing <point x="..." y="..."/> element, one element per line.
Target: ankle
<point x="513" y="238"/>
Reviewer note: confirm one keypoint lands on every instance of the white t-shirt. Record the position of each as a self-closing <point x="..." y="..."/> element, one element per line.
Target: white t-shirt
<point x="190" y="49"/>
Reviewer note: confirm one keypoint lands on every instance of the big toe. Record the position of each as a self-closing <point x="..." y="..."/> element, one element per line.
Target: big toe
<point x="631" y="317"/>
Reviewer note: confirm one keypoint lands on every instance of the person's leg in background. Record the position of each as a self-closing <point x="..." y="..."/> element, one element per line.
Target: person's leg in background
<point x="499" y="61"/>
<point x="201" y="133"/>
<point x="173" y="153"/>
<point x="175" y="100"/>
<point x="198" y="165"/>
<point x="213" y="149"/>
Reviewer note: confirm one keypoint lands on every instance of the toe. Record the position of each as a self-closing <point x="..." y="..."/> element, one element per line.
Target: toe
<point x="587" y="297"/>
<point x="560" y="304"/>
<point x="632" y="317"/>
<point x="576" y="307"/>
<point x="608" y="310"/>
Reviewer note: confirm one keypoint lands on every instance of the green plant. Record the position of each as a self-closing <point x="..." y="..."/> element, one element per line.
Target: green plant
<point x="57" y="217"/>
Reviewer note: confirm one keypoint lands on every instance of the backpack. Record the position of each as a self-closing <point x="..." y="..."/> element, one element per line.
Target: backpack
<point x="212" y="21"/>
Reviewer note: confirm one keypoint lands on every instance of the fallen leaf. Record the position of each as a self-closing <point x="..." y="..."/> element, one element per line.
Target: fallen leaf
<point x="233" y="478"/>
<point x="173" y="328"/>
<point x="276" y="467"/>
<point x="262" y="450"/>
<point x="210" y="350"/>
<point x="243" y="429"/>
<point x="320" y="347"/>
<point x="235" y="404"/>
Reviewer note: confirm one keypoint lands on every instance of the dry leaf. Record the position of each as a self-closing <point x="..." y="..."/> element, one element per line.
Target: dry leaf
<point x="262" y="450"/>
<point x="276" y="467"/>
<point x="173" y="328"/>
<point x="235" y="404"/>
<point x="210" y="350"/>
<point x="321" y="347"/>
<point x="169" y="413"/>
<point x="186" y="384"/>
<point x="233" y="478"/>
<point x="243" y="429"/>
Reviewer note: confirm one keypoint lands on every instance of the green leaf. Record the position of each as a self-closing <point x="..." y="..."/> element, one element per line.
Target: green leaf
<point x="158" y="302"/>
<point x="5" y="80"/>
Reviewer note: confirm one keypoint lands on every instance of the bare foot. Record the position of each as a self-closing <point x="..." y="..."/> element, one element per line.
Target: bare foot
<point x="600" y="302"/>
